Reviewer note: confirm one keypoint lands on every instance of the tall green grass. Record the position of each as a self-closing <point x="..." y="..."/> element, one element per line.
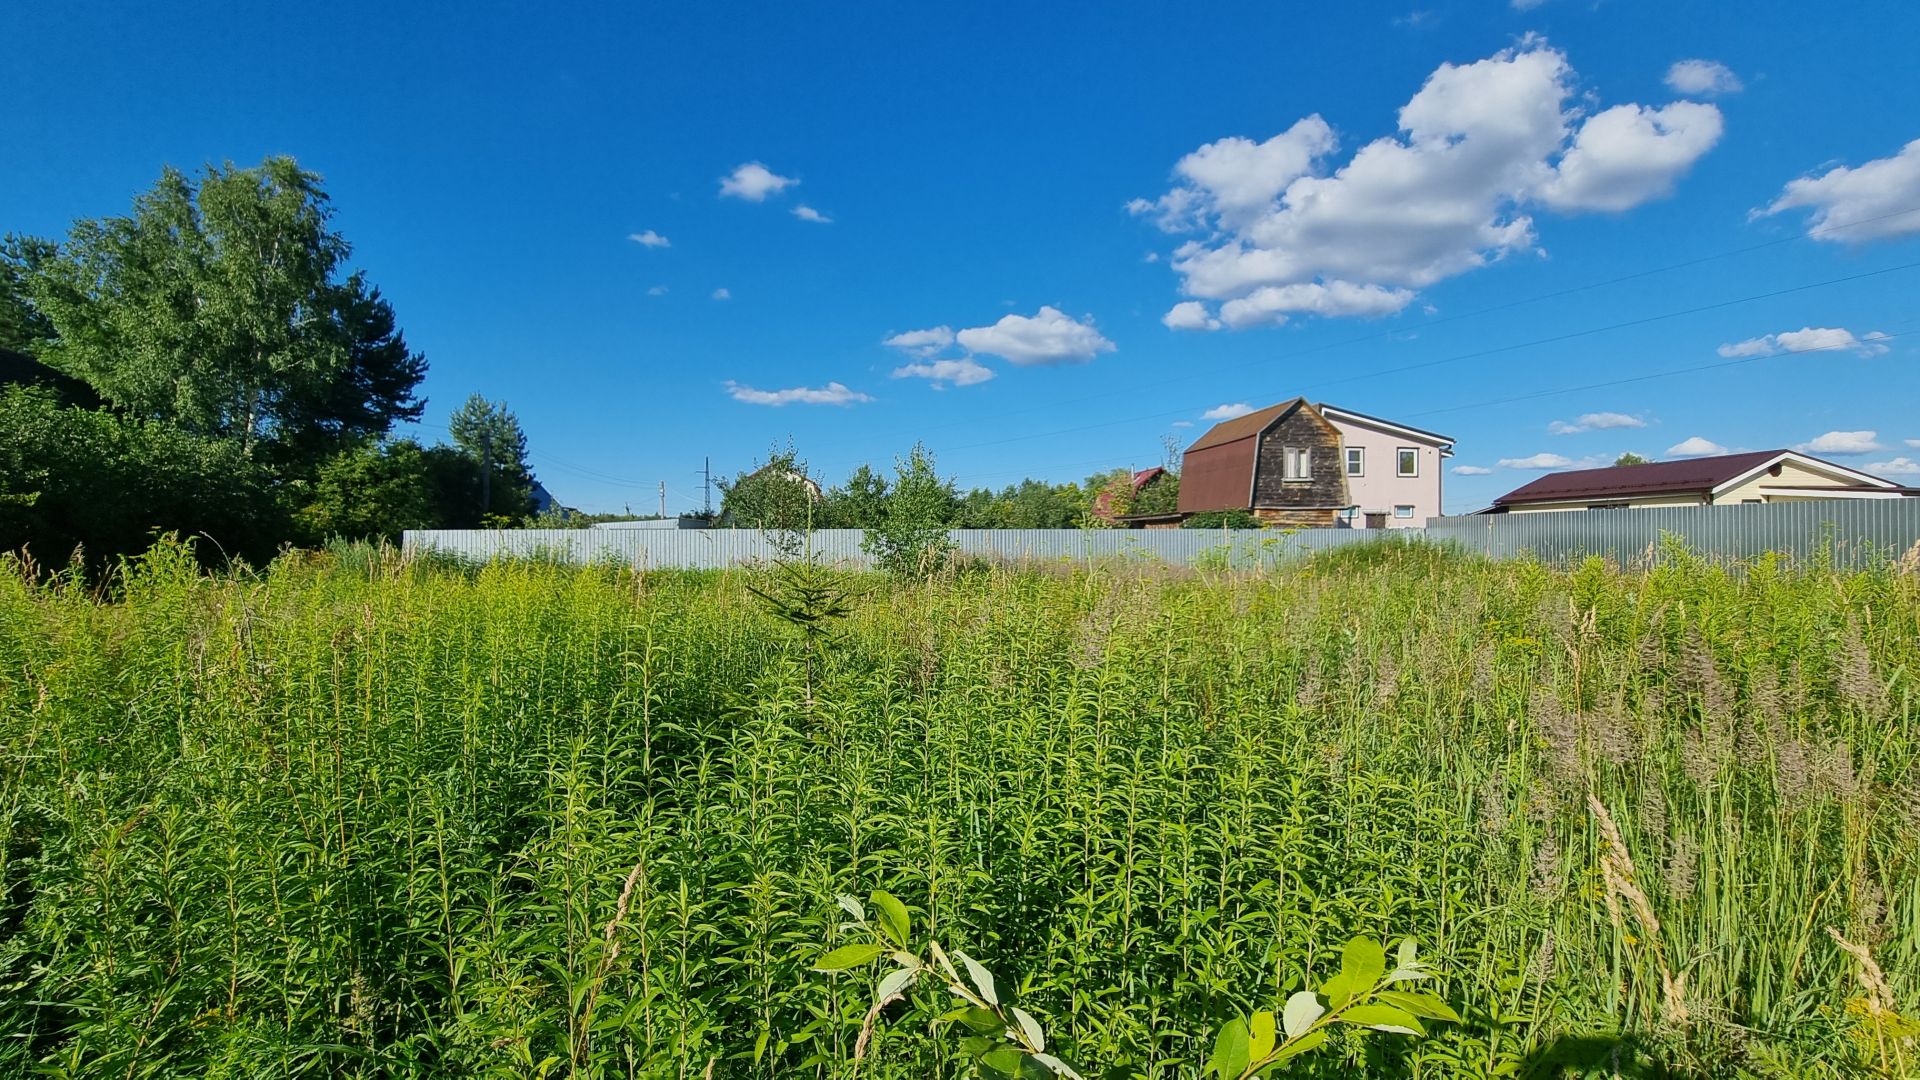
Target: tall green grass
<point x="366" y="817"/>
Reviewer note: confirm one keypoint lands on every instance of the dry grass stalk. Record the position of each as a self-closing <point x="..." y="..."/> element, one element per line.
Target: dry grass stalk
<point x="1616" y="865"/>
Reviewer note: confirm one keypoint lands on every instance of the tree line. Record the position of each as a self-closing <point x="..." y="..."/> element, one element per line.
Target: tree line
<point x="209" y="364"/>
<point x="781" y="494"/>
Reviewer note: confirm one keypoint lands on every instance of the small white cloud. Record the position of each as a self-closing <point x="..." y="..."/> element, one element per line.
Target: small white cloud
<point x="1703" y="78"/>
<point x="1189" y="315"/>
<point x="1050" y="336"/>
<point x="1471" y="470"/>
<point x="1537" y="461"/>
<point x="1270" y="305"/>
<point x="1227" y="412"/>
<point x="965" y="371"/>
<point x="650" y="239"/>
<point x="1873" y="201"/>
<point x="1527" y="5"/>
<point x="1843" y="442"/>
<point x="1915" y="443"/>
<point x="1150" y="257"/>
<point x="754" y="182"/>
<point x="1696" y="446"/>
<point x="1809" y="339"/>
<point x="657" y="290"/>
<point x="1900" y="466"/>
<point x="723" y="294"/>
<point x="922" y="342"/>
<point x="1183" y="423"/>
<point x="831" y="394"/>
<point x="1595" y="421"/>
<point x="808" y="213"/>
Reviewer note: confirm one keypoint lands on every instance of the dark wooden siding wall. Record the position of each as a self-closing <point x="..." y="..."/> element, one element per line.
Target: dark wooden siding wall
<point x="1301" y="428"/>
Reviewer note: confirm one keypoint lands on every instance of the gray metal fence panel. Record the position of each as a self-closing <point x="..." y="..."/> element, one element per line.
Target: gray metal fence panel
<point x="1853" y="532"/>
<point x="720" y="548"/>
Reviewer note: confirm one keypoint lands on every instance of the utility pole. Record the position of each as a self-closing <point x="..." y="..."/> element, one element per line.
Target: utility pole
<point x="486" y="473"/>
<point x="706" y="484"/>
<point x="663" y="498"/>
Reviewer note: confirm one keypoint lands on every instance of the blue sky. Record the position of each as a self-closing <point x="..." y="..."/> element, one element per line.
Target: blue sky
<point x="1084" y="226"/>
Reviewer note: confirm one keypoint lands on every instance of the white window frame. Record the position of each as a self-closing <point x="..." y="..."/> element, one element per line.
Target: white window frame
<point x="1408" y="507"/>
<point x="1399" y="450"/>
<point x="1286" y="463"/>
<point x="1356" y="455"/>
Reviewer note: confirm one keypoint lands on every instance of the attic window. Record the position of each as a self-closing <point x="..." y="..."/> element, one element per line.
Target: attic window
<point x="1407" y="461"/>
<point x="1296" y="463"/>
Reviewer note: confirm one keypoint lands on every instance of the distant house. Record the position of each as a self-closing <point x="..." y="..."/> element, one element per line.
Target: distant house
<point x="1763" y="476"/>
<point x="1302" y="465"/>
<point x="1151" y="504"/>
<point x="684" y="521"/>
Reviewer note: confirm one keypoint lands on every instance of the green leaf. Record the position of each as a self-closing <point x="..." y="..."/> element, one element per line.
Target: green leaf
<point x="850" y="956"/>
<point x="1060" y="1068"/>
<point x="1419" y="1004"/>
<point x="1029" y="1027"/>
<point x="1261" y="1036"/>
<point x="1302" y="1009"/>
<point x="1341" y="989"/>
<point x="853" y="907"/>
<point x="893" y="916"/>
<point x="1364" y="961"/>
<point x="1232" y="1050"/>
<point x="1006" y="1059"/>
<point x="982" y="979"/>
<point x="1408" y="955"/>
<point x="896" y="982"/>
<point x="1301" y="1046"/>
<point x="980" y="1021"/>
<point x="1383" y="1018"/>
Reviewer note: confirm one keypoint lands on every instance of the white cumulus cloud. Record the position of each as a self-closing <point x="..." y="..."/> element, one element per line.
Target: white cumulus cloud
<point x="1900" y="466"/>
<point x="1471" y="470"/>
<point x="1595" y="421"/>
<point x="1049" y="336"/>
<point x="1809" y="339"/>
<point x="1852" y="205"/>
<point x="1630" y="154"/>
<point x="650" y="239"/>
<point x="657" y="290"/>
<point x="1843" y="442"/>
<point x="1478" y="146"/>
<point x="1227" y="412"/>
<point x="754" y="182"/>
<point x="1702" y="78"/>
<point x="922" y="342"/>
<point x="1915" y="443"/>
<point x="1271" y="304"/>
<point x="1189" y="315"/>
<point x="808" y="213"/>
<point x="1538" y="461"/>
<point x="831" y="394"/>
<point x="1695" y="446"/>
<point x="965" y="371"/>
<point x="723" y="294"/>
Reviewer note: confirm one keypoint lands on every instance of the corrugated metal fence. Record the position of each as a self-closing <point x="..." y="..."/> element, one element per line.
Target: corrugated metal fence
<point x="1854" y="532"/>
<point x="715" y="548"/>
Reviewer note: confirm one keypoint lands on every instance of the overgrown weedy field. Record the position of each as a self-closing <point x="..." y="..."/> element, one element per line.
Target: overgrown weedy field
<point x="365" y="817"/>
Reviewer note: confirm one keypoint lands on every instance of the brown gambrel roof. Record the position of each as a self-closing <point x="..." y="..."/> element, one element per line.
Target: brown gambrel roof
<point x="1702" y="475"/>
<point x="1243" y="427"/>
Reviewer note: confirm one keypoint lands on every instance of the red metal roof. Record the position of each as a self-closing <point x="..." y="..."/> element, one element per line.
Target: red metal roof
<point x="1655" y="478"/>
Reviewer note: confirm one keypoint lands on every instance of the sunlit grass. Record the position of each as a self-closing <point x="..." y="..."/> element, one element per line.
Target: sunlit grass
<point x="357" y="816"/>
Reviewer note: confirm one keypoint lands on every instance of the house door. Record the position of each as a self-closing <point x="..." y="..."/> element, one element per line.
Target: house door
<point x="1377" y="520"/>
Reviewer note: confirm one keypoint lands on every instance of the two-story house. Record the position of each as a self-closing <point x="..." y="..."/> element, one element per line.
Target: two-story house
<point x="1301" y="465"/>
